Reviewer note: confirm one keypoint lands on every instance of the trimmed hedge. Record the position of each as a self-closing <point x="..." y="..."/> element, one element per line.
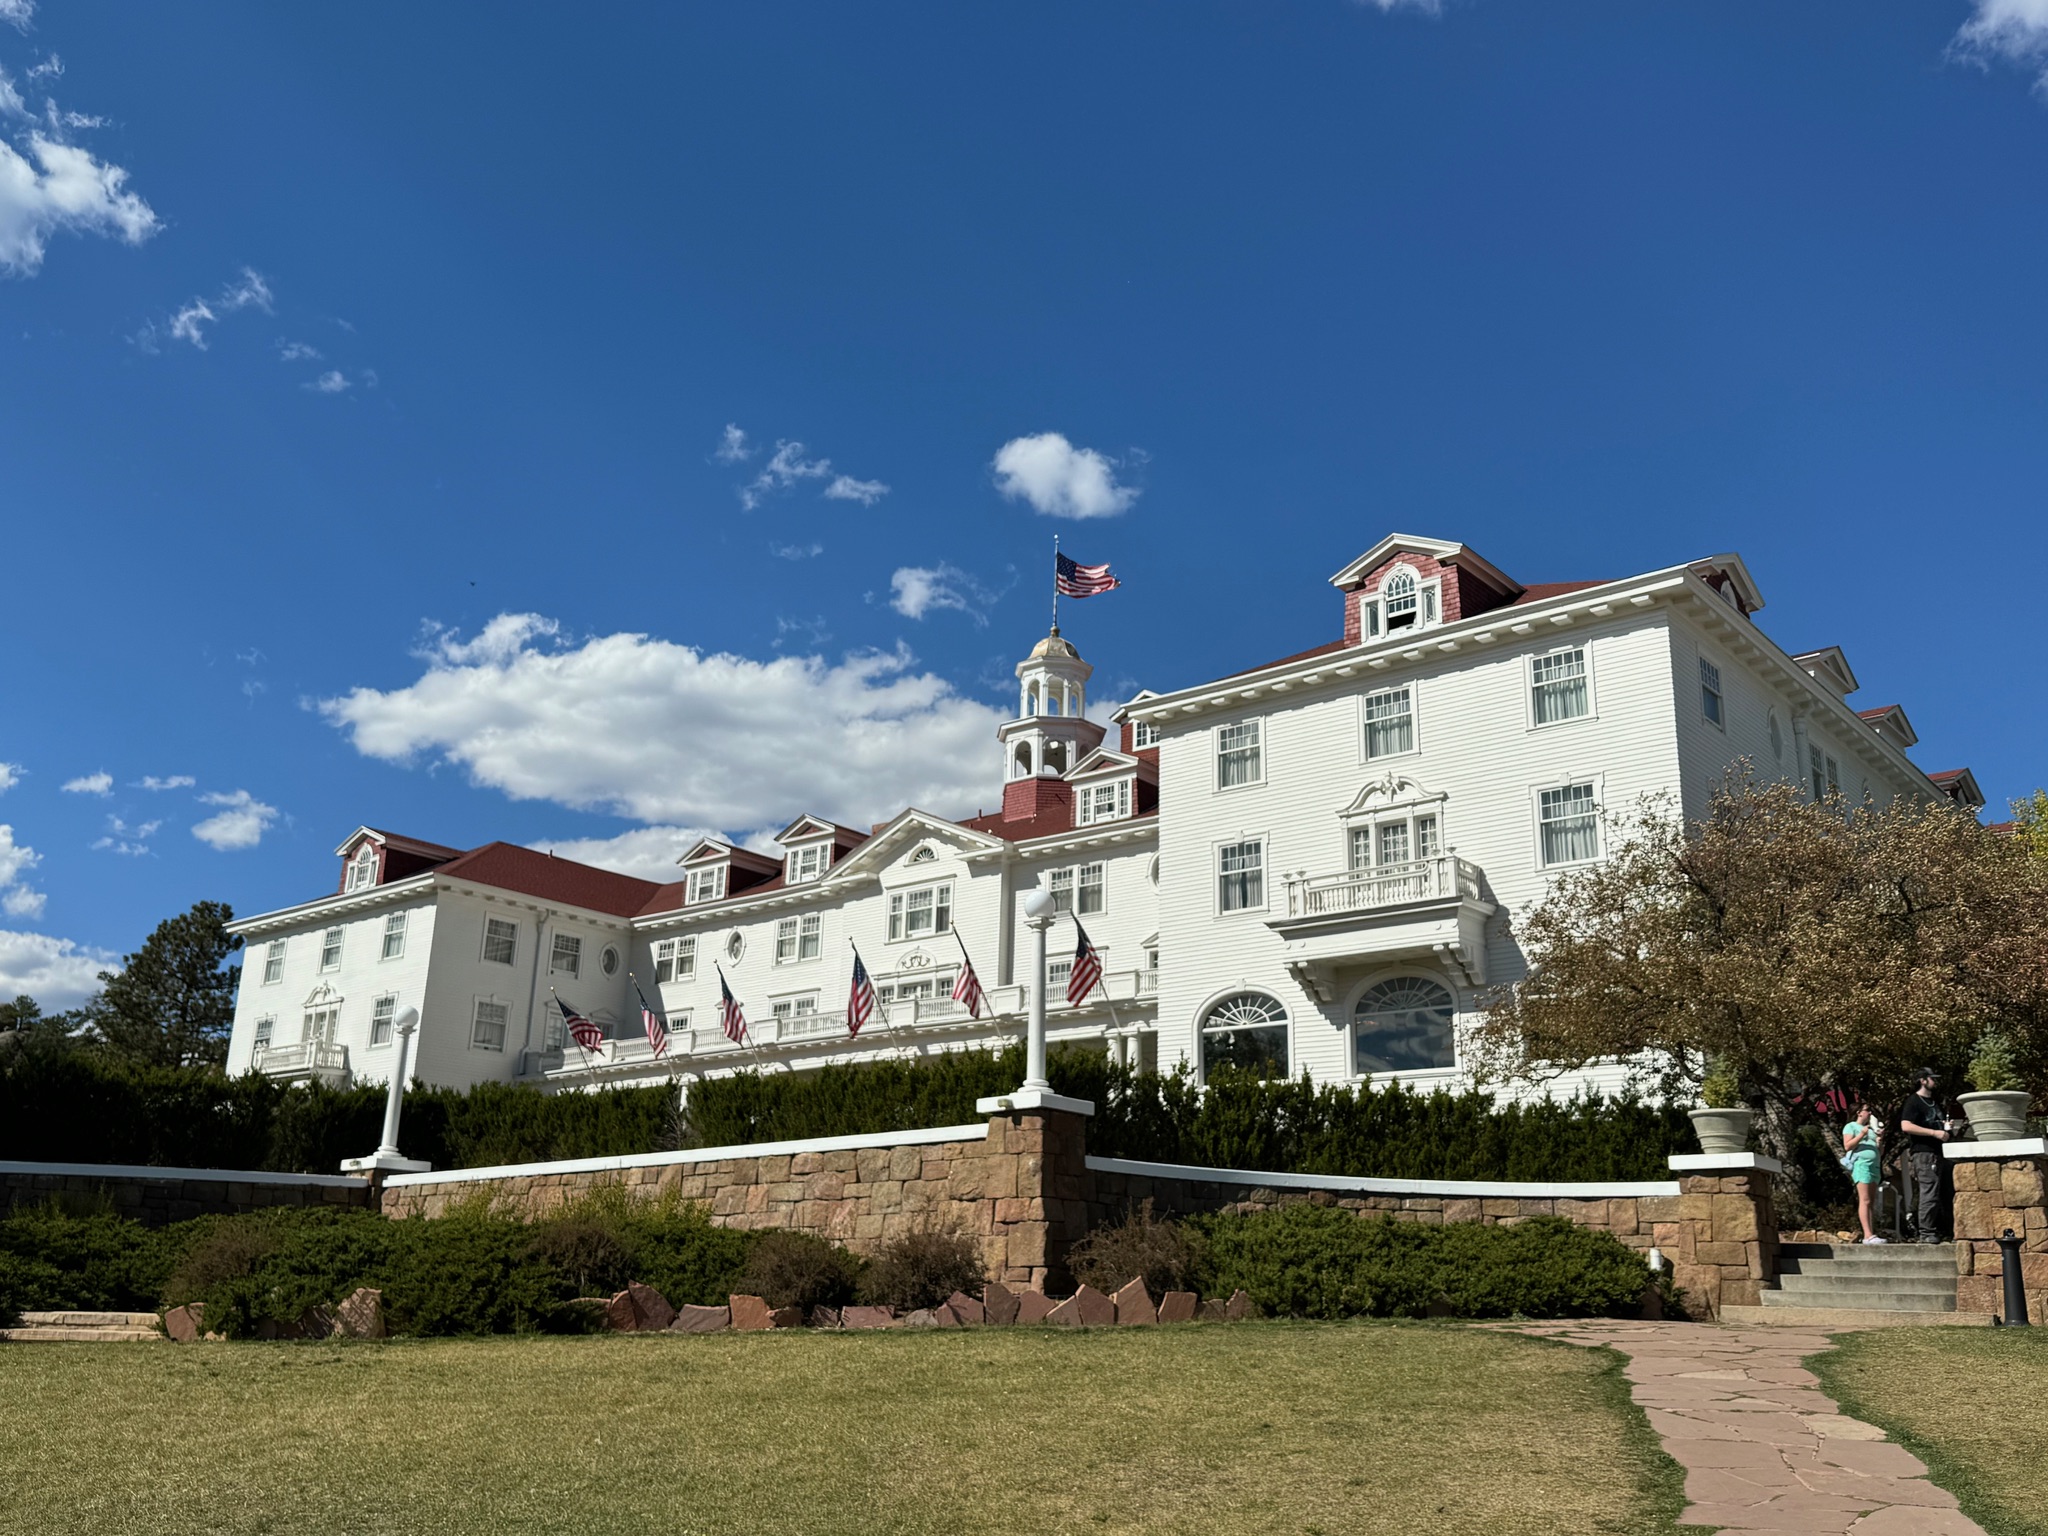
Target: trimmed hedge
<point x="1323" y="1261"/>
<point x="79" y="1108"/>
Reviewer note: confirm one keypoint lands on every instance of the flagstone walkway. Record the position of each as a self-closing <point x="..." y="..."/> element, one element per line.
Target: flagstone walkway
<point x="1764" y="1449"/>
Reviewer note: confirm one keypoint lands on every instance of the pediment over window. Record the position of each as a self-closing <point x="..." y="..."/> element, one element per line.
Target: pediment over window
<point x="1396" y="789"/>
<point x="899" y="841"/>
<point x="322" y="996"/>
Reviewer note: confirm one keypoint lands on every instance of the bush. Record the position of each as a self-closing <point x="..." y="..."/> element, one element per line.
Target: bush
<point x="227" y="1250"/>
<point x="922" y="1267"/>
<point x="588" y="1255"/>
<point x="93" y="1261"/>
<point x="1167" y="1255"/>
<point x="795" y="1269"/>
<point x="1323" y="1261"/>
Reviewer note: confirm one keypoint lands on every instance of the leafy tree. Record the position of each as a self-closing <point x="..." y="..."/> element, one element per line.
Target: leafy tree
<point x="2030" y="823"/>
<point x="172" y="1003"/>
<point x="1796" y="944"/>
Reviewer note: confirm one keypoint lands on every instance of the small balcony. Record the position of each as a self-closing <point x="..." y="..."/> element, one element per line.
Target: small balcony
<point x="1434" y="908"/>
<point x="308" y="1061"/>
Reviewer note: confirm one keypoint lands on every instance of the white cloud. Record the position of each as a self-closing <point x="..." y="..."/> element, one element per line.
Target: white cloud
<point x="240" y="824"/>
<point x="10" y="775"/>
<point x="186" y="323"/>
<point x="18" y="12"/>
<point x="670" y="735"/>
<point x="846" y="488"/>
<point x="918" y="589"/>
<point x="101" y="783"/>
<point x="1060" y="480"/>
<point x="51" y="68"/>
<point x="332" y="382"/>
<point x="124" y="839"/>
<point x="16" y="859"/>
<point x="55" y="972"/>
<point x="48" y="186"/>
<point x="733" y="447"/>
<point x="649" y="852"/>
<point x="175" y="781"/>
<point x="796" y="551"/>
<point x="2015" y="31"/>
<point x="246" y="291"/>
<point x="297" y="352"/>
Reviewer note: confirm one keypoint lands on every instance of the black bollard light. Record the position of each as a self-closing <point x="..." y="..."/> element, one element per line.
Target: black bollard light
<point x="2015" y="1282"/>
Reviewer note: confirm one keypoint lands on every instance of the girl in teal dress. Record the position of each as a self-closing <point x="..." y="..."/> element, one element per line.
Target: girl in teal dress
<point x="1859" y="1155"/>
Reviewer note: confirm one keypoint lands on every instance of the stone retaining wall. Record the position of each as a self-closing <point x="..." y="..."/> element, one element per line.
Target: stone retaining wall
<point x="1999" y="1186"/>
<point x="158" y="1196"/>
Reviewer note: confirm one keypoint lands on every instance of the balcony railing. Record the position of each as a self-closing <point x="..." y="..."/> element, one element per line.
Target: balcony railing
<point x="307" y="1057"/>
<point x="1445" y="877"/>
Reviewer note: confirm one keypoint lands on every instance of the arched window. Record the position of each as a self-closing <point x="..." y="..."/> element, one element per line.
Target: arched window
<point x="1021" y="768"/>
<point x="1031" y="700"/>
<point x="362" y="869"/>
<point x="1404" y="1025"/>
<point x="1056" y="756"/>
<point x="1402" y="604"/>
<point x="1247" y="1031"/>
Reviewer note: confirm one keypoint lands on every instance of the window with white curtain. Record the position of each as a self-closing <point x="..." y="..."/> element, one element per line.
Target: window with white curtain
<point x="707" y="884"/>
<point x="501" y="940"/>
<point x="382" y="1011"/>
<point x="1240" y="754"/>
<point x="394" y="936"/>
<point x="1390" y="722"/>
<point x="273" y="962"/>
<point x="799" y="938"/>
<point x="565" y="957"/>
<point x="330" y="950"/>
<point x="1241" y="876"/>
<point x="259" y="1039"/>
<point x="1557" y="686"/>
<point x="921" y="911"/>
<point x="487" y="1026"/>
<point x="1105" y="802"/>
<point x="1393" y="842"/>
<point x="1569" y="821"/>
<point x="807" y="864"/>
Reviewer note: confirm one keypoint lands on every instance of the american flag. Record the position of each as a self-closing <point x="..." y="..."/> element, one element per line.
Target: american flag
<point x="1076" y="580"/>
<point x="652" y="1022"/>
<point x="581" y="1030"/>
<point x="967" y="985"/>
<point x="730" y="1018"/>
<point x="1087" y="971"/>
<point x="860" y="998"/>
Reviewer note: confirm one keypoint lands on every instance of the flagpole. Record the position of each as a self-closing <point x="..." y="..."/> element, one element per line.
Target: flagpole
<point x="572" y="1033"/>
<point x="1055" y="583"/>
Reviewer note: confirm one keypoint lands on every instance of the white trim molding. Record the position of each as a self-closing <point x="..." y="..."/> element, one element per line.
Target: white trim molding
<point x="1478" y="1189"/>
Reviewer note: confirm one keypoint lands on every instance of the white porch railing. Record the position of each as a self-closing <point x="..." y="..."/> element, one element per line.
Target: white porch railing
<point x="306" y="1056"/>
<point x="1442" y="878"/>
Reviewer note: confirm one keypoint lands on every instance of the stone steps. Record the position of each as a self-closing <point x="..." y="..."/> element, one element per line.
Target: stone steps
<point x="1784" y="1315"/>
<point x="1888" y="1281"/>
<point x="84" y="1328"/>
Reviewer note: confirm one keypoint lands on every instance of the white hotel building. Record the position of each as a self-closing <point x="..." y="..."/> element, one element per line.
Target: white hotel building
<point x="1312" y="864"/>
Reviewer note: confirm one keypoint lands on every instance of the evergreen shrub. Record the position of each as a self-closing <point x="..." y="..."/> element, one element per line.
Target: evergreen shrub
<point x="922" y="1267"/>
<point x="1326" y="1262"/>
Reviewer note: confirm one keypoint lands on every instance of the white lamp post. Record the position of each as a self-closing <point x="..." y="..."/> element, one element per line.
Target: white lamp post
<point x="1040" y="912"/>
<point x="387" y="1159"/>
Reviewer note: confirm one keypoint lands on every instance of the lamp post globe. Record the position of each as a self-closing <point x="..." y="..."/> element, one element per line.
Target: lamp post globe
<point x="1039" y="911"/>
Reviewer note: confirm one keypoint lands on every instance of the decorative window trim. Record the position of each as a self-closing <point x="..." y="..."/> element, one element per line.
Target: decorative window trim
<point x="1257" y="747"/>
<point x="1069" y="886"/>
<point x="1530" y="684"/>
<point x="1597" y="782"/>
<point x="807" y="863"/>
<point x="940" y="904"/>
<point x="261" y="1033"/>
<point x="1217" y="873"/>
<point x="1241" y="993"/>
<point x="707" y="884"/>
<point x="1356" y="994"/>
<point x="394" y="928"/>
<point x="331" y="942"/>
<point x="383" y="1011"/>
<point x="476" y="1022"/>
<point x="1117" y="798"/>
<point x="608" y="962"/>
<point x="361" y="871"/>
<point x="1376" y="613"/>
<point x="273" y="962"/>
<point x="800" y="939"/>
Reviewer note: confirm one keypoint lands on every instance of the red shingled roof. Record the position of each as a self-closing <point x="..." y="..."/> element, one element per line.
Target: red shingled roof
<point x="509" y="867"/>
<point x="418" y="845"/>
<point x="1024" y="830"/>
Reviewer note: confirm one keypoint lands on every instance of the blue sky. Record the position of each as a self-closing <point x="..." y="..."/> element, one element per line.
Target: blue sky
<point x="367" y="378"/>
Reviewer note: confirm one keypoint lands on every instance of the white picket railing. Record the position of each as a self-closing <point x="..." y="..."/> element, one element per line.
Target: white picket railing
<point x="1440" y="878"/>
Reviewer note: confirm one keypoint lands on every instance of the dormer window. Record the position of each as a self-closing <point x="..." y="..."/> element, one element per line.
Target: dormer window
<point x="1404" y="602"/>
<point x="362" y="869"/>
<point x="804" y="865"/>
<point x="707" y="884"/>
<point x="1104" y="802"/>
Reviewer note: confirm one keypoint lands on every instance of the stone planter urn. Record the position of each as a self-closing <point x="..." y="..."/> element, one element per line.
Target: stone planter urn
<point x="1995" y="1116"/>
<point x="1722" y="1130"/>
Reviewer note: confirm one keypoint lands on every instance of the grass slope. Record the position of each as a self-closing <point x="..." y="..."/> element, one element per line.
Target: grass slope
<point x="1301" y="1428"/>
<point x="1965" y="1401"/>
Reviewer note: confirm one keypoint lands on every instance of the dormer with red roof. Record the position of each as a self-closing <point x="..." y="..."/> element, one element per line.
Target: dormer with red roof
<point x="1407" y="582"/>
<point x="713" y="871"/>
<point x="370" y="858"/>
<point x="811" y="845"/>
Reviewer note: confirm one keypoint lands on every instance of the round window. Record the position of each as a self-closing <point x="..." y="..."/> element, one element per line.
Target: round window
<point x="1246" y="1032"/>
<point x="1152" y="870"/>
<point x="610" y="961"/>
<point x="735" y="945"/>
<point x="1404" y="1025"/>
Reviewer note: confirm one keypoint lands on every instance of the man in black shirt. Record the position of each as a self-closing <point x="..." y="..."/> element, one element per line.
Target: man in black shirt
<point x="1926" y="1128"/>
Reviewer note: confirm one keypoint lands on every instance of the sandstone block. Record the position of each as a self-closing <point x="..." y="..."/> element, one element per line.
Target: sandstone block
<point x="361" y="1314"/>
<point x="1096" y="1310"/>
<point x="1980" y="1213"/>
<point x="1980" y="1293"/>
<point x="1033" y="1307"/>
<point x="1734" y="1219"/>
<point x="1178" y="1307"/>
<point x="1621" y="1217"/>
<point x="923" y="1317"/>
<point x="786" y="1317"/>
<point x="965" y="1310"/>
<point x="651" y="1311"/>
<point x="1653" y="1209"/>
<point x="1239" y="1307"/>
<point x="1729" y="1253"/>
<point x="695" y="1319"/>
<point x="1133" y="1303"/>
<point x="1214" y="1310"/>
<point x="619" y="1314"/>
<point x="868" y="1317"/>
<point x="184" y="1325"/>
<point x="1066" y="1314"/>
<point x="905" y="1163"/>
<point x="1585" y="1213"/>
<point x="2020" y="1183"/>
<point x="998" y="1304"/>
<point x="750" y="1314"/>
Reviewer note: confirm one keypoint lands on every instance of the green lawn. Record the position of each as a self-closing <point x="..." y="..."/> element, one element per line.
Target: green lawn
<point x="1967" y="1401"/>
<point x="1260" y="1427"/>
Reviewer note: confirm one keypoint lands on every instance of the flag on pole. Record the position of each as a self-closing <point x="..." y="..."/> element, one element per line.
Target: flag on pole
<point x="653" y="1023"/>
<point x="967" y="985"/>
<point x="1076" y="580"/>
<point x="730" y="1018"/>
<point x="581" y="1030"/>
<point x="860" y="997"/>
<point x="1087" y="972"/>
